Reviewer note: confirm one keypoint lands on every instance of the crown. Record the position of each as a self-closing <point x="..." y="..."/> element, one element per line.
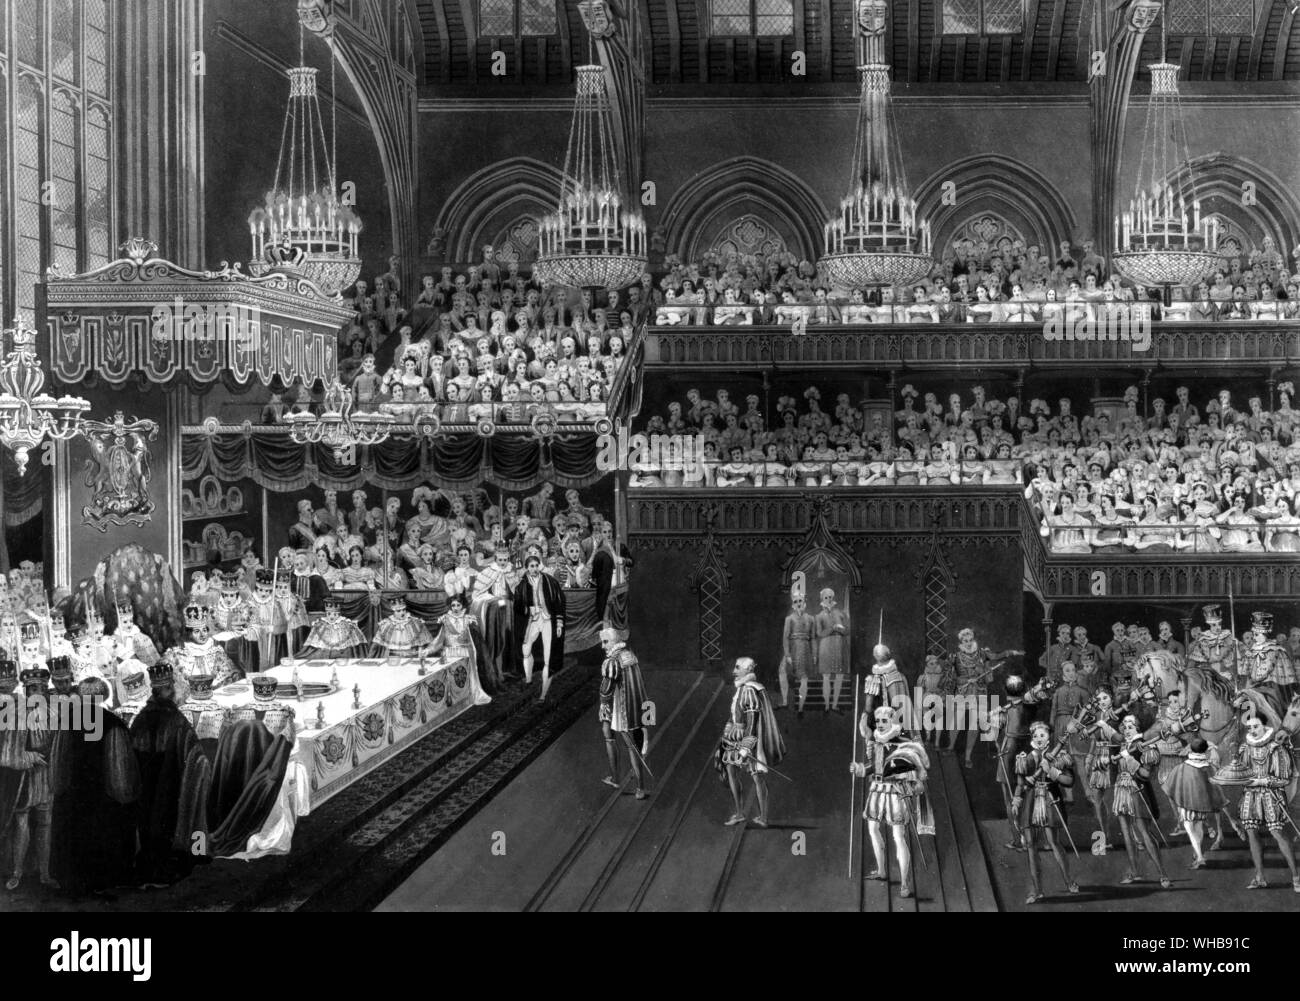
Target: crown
<point x="397" y="604"/>
<point x="162" y="674"/>
<point x="1212" y="613"/>
<point x="31" y="632"/>
<point x="284" y="255"/>
<point x="201" y="686"/>
<point x="1262" y="619"/>
<point x="60" y="667"/>
<point x="264" y="687"/>
<point x="134" y="685"/>
<point x="34" y="676"/>
<point x="333" y="603"/>
<point x="195" y="614"/>
<point x="125" y="610"/>
<point x="265" y="577"/>
<point x="231" y="581"/>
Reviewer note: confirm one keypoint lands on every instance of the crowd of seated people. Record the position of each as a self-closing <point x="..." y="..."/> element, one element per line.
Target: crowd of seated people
<point x="486" y="341"/>
<point x="973" y="283"/>
<point x="434" y="539"/>
<point x="1186" y="479"/>
<point x="718" y="443"/>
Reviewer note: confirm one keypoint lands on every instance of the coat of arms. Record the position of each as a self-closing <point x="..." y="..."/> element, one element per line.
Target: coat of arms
<point x="871" y="16"/>
<point x="597" y="18"/>
<point x="118" y="472"/>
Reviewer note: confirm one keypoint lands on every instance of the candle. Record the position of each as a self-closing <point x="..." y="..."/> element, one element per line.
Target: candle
<point x="1196" y="214"/>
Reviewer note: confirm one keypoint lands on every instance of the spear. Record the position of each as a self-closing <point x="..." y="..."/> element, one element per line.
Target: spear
<point x="1232" y="624"/>
<point x="853" y="775"/>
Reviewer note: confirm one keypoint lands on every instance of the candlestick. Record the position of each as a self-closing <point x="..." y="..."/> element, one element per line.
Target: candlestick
<point x="320" y="715"/>
<point x="356" y="696"/>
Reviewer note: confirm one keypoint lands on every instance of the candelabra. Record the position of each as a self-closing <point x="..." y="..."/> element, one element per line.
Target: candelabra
<point x="1161" y="239"/>
<point x="594" y="239"/>
<point x="29" y="416"/>
<point x="877" y="237"/>
<point x="303" y="226"/>
<point x="338" y="427"/>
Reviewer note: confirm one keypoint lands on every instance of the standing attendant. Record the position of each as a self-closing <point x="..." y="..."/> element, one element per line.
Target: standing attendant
<point x="622" y="703"/>
<point x="832" y="663"/>
<point x="539" y="603"/>
<point x="751" y="741"/>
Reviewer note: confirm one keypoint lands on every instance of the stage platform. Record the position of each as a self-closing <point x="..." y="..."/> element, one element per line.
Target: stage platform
<point x="557" y="839"/>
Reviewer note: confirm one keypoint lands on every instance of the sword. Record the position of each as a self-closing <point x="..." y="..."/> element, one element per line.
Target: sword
<point x="919" y="848"/>
<point x="1065" y="827"/>
<point x="641" y="757"/>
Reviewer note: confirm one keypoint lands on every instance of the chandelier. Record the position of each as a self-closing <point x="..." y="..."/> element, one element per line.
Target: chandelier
<point x="1158" y="242"/>
<point x="27" y="415"/>
<point x="594" y="239"/>
<point x="337" y="427"/>
<point x="876" y="238"/>
<point x="302" y="226"/>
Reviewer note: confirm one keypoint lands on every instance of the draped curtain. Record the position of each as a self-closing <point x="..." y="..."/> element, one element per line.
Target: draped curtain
<point x="23" y="495"/>
<point x="278" y="463"/>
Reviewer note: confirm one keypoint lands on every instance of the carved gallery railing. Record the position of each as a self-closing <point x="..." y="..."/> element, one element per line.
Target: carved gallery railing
<point x="147" y="318"/>
<point x="270" y="457"/>
<point x="1147" y="574"/>
<point x="770" y="516"/>
<point x="986" y="313"/>
<point x="947" y="346"/>
<point x="1211" y="539"/>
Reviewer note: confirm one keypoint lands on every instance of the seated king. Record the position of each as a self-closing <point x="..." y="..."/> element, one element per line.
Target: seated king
<point x="333" y="635"/>
<point x="401" y="633"/>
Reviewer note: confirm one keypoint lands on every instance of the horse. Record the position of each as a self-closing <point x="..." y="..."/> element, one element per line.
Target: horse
<point x="1204" y="690"/>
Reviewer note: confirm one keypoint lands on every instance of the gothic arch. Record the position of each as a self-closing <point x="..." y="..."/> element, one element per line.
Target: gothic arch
<point x="990" y="184"/>
<point x="745" y="185"/>
<point x="490" y="200"/>
<point x="1219" y="185"/>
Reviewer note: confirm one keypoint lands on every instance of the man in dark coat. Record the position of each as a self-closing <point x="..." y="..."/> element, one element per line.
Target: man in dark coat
<point x="174" y="779"/>
<point x="539" y="618"/>
<point x="96" y="784"/>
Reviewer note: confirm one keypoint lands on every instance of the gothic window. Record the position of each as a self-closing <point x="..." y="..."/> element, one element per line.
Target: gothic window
<point x="747" y="236"/>
<point x="501" y="18"/>
<point x="517" y="242"/>
<point x="983" y="17"/>
<point x="57" y="149"/>
<point x="751" y="17"/>
<point x="1211" y="17"/>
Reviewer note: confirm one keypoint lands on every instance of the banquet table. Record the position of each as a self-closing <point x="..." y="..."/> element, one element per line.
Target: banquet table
<point x="398" y="706"/>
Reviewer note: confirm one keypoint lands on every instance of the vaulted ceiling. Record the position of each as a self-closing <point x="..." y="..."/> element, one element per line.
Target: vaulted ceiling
<point x="1054" y="47"/>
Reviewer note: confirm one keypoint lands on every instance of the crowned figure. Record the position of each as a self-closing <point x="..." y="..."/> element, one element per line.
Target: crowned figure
<point x="133" y="692"/>
<point x="267" y="624"/>
<point x="231" y="615"/>
<point x="128" y="641"/>
<point x="294" y="608"/>
<point x="206" y="715"/>
<point x="333" y="635"/>
<point x="201" y="655"/>
<point x="400" y="633"/>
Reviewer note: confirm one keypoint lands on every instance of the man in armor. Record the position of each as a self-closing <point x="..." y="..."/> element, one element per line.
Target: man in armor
<point x="751" y="741"/>
<point x="973" y="665"/>
<point x="1012" y="719"/>
<point x="1215" y="647"/>
<point x="622" y="703"/>
<point x="333" y="635"/>
<point x="25" y="750"/>
<point x="896" y="768"/>
<point x="1044" y="776"/>
<point x="885" y="685"/>
<point x="1266" y="756"/>
<point x="1134" y="801"/>
<point x="1265" y="661"/>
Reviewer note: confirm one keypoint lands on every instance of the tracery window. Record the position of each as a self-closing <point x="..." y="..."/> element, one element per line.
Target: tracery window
<point x="983" y="17"/>
<point x="526" y="18"/>
<point x="55" y="158"/>
<point x="1211" y="17"/>
<point x="751" y="17"/>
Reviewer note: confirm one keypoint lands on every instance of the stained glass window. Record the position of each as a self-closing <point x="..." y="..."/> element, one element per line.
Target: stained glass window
<point x="983" y="17"/>
<point x="751" y="17"/>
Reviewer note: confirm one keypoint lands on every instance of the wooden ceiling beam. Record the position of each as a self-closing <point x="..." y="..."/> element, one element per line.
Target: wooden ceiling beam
<point x="1234" y="49"/>
<point x="982" y="74"/>
<point x="674" y="42"/>
<point x="913" y="40"/>
<point x="1283" y="43"/>
<point x="828" y="68"/>
<point x="959" y="64"/>
<point x="1211" y="51"/>
<point x="471" y="37"/>
<point x="1054" y="44"/>
<point x="1257" y="44"/>
<point x="444" y="42"/>
<point x="1031" y="27"/>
